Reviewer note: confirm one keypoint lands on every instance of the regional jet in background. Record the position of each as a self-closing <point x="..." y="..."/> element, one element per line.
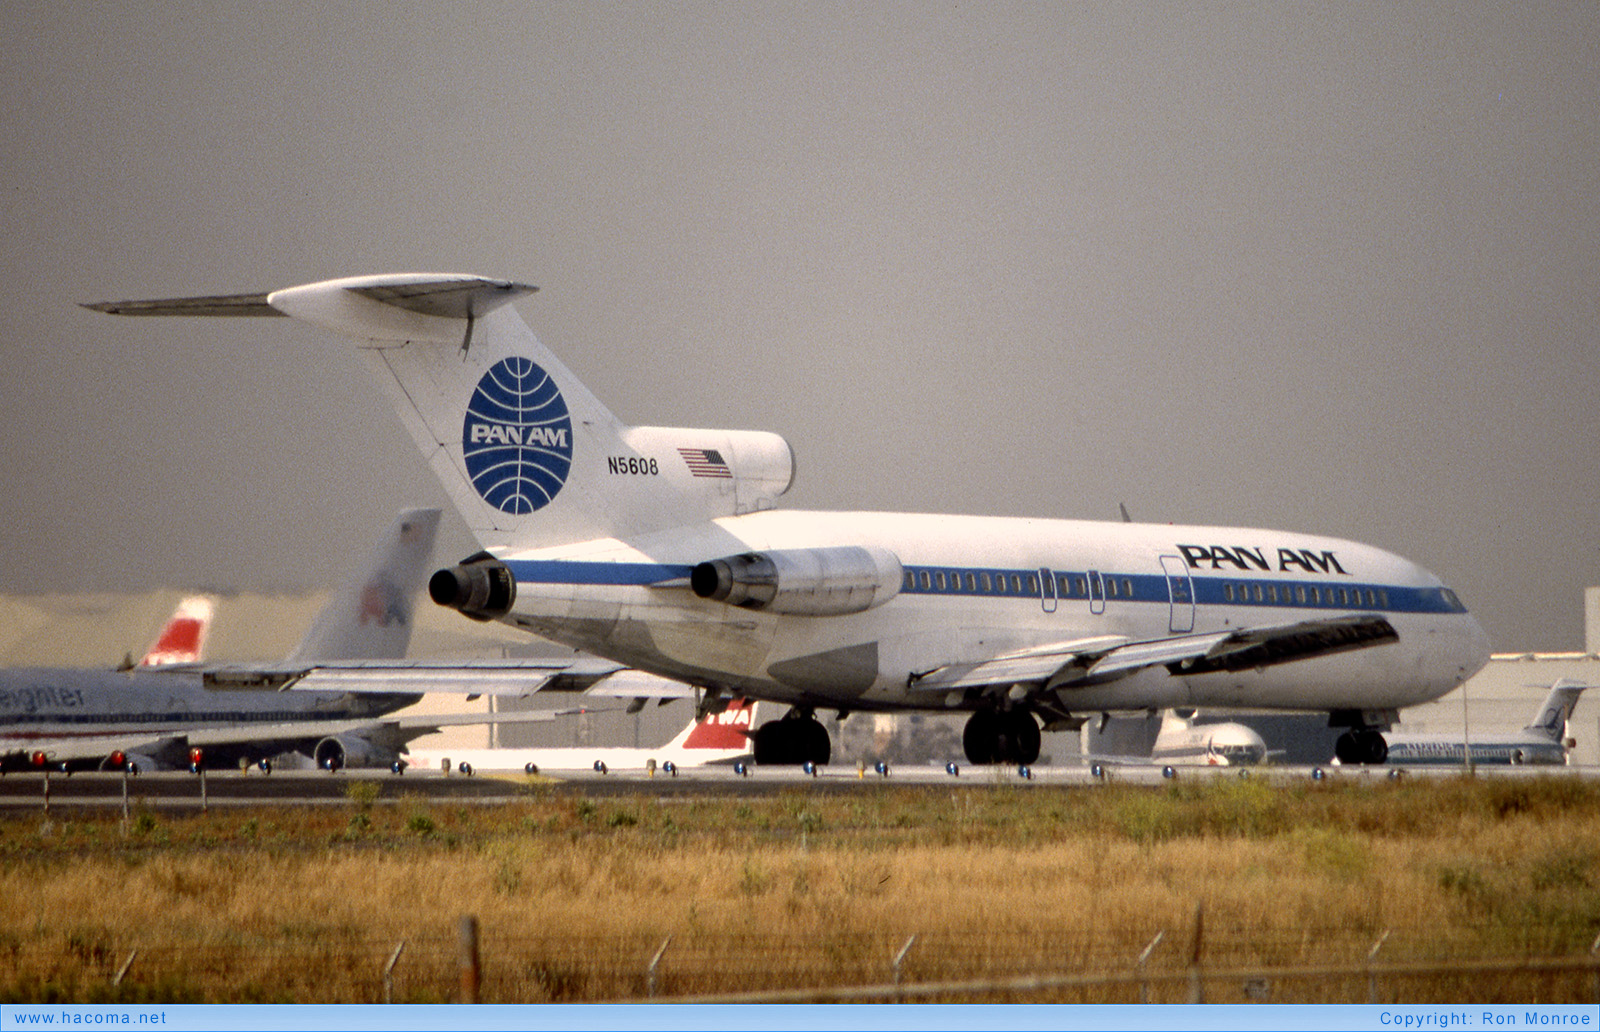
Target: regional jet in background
<point x="1182" y="741"/>
<point x="1544" y="741"/>
<point x="157" y="717"/>
<point x="660" y="549"/>
<point x="709" y="740"/>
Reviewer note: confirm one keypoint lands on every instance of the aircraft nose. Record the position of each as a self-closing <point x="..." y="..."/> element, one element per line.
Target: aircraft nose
<point x="1475" y="647"/>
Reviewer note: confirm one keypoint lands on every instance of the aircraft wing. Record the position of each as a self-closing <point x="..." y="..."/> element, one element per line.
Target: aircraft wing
<point x="1091" y="661"/>
<point x="171" y="747"/>
<point x="412" y="676"/>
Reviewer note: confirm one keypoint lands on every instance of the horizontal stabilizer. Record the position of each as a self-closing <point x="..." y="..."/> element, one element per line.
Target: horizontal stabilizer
<point x="220" y="304"/>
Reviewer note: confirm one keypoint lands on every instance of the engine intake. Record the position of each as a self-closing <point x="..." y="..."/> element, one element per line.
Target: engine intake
<point x="481" y="588"/>
<point x="802" y="581"/>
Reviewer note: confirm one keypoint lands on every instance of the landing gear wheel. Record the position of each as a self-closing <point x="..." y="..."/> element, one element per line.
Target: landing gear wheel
<point x="993" y="737"/>
<point x="980" y="739"/>
<point x="1361" y="748"/>
<point x="1021" y="740"/>
<point x="790" y="742"/>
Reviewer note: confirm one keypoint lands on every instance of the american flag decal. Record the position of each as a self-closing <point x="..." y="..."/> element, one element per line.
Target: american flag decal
<point x="706" y="462"/>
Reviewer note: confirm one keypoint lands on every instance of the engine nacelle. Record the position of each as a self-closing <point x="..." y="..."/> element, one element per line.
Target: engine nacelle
<point x="341" y="751"/>
<point x="481" y="588"/>
<point x="802" y="581"/>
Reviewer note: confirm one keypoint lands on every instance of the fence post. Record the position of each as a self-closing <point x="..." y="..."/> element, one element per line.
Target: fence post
<point x="47" y="792"/>
<point x="1144" y="983"/>
<point x="900" y="957"/>
<point x="123" y="970"/>
<point x="1372" y="979"/>
<point x="1197" y="991"/>
<point x="1594" y="951"/>
<point x="655" y="961"/>
<point x="388" y="972"/>
<point x="471" y="974"/>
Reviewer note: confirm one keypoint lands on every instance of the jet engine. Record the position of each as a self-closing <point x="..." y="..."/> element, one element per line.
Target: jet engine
<point x="481" y="588"/>
<point x="342" y="751"/>
<point x="802" y="581"/>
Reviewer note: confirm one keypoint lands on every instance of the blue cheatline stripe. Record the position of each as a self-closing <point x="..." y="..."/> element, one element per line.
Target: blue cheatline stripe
<point x="1070" y="586"/>
<point x="561" y="571"/>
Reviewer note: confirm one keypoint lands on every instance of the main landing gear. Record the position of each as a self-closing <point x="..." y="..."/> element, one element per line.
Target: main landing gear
<point x="797" y="738"/>
<point x="1001" y="736"/>
<point x="1361" y="746"/>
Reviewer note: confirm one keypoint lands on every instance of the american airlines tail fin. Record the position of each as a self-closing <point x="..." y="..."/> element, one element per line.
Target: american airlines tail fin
<point x="183" y="639"/>
<point x="527" y="454"/>
<point x="370" y="617"/>
<point x="1556" y="710"/>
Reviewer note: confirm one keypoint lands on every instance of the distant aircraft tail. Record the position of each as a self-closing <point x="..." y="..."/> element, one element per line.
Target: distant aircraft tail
<point x="527" y="454"/>
<point x="183" y="639"/>
<point x="1556" y="709"/>
<point x="370" y="617"/>
<point x="723" y="731"/>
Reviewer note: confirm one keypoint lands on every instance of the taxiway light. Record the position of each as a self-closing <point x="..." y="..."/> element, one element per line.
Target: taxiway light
<point x="671" y="768"/>
<point x="39" y="759"/>
<point x="599" y="766"/>
<point x="740" y="769"/>
<point x="952" y="770"/>
<point x="882" y="768"/>
<point x="465" y="768"/>
<point x="1316" y="774"/>
<point x="809" y="768"/>
<point x="266" y="766"/>
<point x="1168" y="772"/>
<point x="1096" y="771"/>
<point x="530" y="768"/>
<point x="1025" y="772"/>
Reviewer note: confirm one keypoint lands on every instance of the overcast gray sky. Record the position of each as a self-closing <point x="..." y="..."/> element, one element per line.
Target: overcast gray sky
<point x="1329" y="268"/>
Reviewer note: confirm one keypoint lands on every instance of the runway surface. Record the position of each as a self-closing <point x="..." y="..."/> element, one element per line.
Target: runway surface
<point x="28" y="791"/>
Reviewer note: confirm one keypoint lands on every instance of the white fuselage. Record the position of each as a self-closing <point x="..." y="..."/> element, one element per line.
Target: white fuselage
<point x="975" y="587"/>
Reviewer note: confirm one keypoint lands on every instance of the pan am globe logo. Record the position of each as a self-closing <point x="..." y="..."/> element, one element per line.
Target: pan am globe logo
<point x="517" y="437"/>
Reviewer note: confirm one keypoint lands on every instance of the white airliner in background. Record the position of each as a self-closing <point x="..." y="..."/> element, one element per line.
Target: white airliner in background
<point x="712" y="739"/>
<point x="161" y="717"/>
<point x="1543" y="741"/>
<point x="660" y="548"/>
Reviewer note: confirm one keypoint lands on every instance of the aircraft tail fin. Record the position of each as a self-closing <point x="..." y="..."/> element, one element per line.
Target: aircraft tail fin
<point x="527" y="454"/>
<point x="370" y="617"/>
<point x="1556" y="709"/>
<point x="728" y="730"/>
<point x="183" y="639"/>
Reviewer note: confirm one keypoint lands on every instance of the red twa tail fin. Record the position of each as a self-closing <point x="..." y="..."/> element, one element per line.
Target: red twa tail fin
<point x="183" y="639"/>
<point x="726" y="730"/>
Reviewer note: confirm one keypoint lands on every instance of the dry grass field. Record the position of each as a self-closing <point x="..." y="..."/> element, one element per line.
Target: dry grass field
<point x="574" y="897"/>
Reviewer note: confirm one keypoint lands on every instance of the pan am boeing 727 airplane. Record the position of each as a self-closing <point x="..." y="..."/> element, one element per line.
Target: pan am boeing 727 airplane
<point x="661" y="548"/>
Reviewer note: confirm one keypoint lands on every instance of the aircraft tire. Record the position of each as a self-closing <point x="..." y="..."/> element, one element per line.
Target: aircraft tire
<point x="790" y="742"/>
<point x="1022" y="733"/>
<point x="980" y="739"/>
<point x="1346" y="750"/>
<point x="1376" y="749"/>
